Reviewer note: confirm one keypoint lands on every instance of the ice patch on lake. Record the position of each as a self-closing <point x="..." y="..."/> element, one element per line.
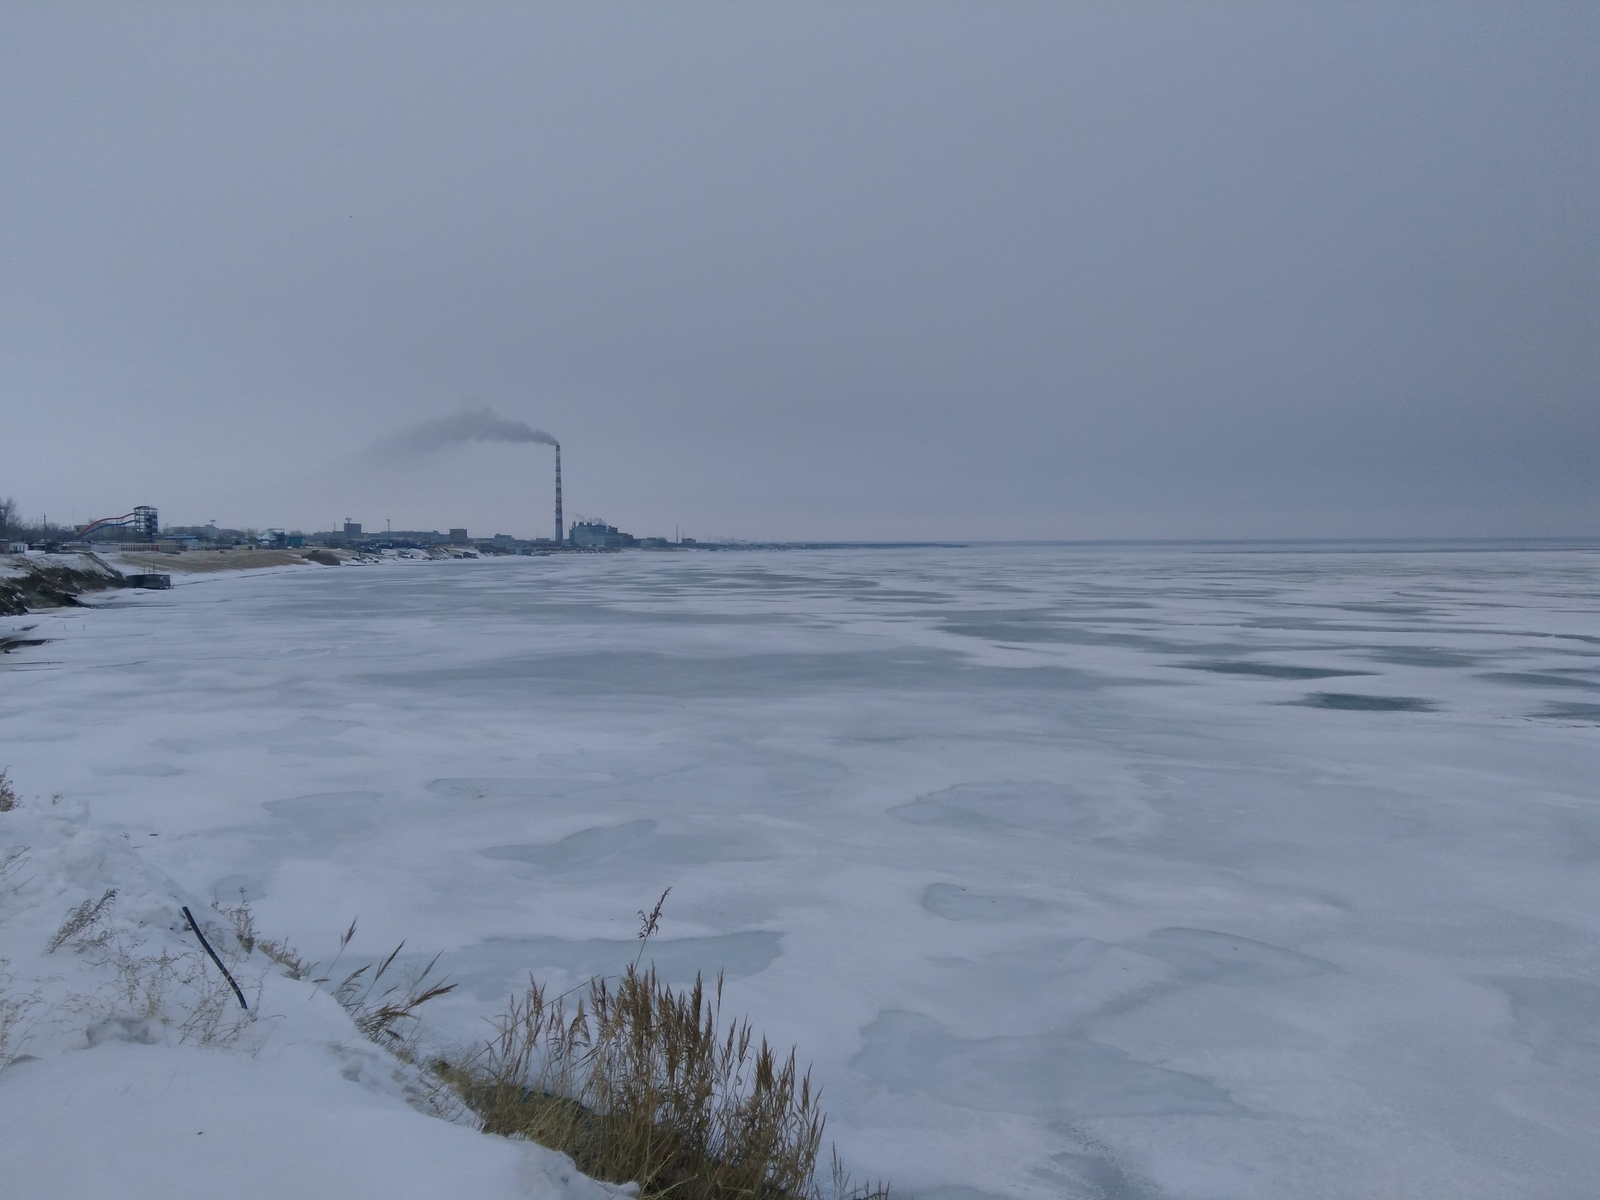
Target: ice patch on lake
<point x="1271" y="670"/>
<point x="1570" y="712"/>
<point x="1021" y="807"/>
<point x="1355" y="702"/>
<point x="955" y="903"/>
<point x="618" y="847"/>
<point x="1054" y="1077"/>
<point x="1203" y="955"/>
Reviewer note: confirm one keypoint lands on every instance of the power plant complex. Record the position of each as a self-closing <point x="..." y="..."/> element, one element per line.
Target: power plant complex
<point x="140" y="529"/>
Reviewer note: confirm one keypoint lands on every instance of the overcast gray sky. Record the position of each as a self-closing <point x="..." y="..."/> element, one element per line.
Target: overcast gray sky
<point x="808" y="270"/>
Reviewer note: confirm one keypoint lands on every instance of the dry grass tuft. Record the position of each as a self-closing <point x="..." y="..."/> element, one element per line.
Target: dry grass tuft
<point x="8" y="794"/>
<point x="645" y="1084"/>
<point x="13" y="1009"/>
<point x="10" y="863"/>
<point x="387" y="1016"/>
<point x="180" y="991"/>
<point x="174" y="990"/>
<point x="382" y="1004"/>
<point x="279" y="952"/>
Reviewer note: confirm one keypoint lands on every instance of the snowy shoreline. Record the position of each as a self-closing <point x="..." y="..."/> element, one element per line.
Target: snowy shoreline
<point x="123" y="1048"/>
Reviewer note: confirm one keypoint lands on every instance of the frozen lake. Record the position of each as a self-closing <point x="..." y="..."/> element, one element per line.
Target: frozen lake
<point x="1099" y="872"/>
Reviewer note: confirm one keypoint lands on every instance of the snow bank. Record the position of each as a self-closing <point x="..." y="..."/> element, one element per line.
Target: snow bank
<point x="127" y="1068"/>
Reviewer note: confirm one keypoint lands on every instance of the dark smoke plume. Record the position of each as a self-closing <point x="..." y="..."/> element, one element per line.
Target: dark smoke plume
<point x="480" y="424"/>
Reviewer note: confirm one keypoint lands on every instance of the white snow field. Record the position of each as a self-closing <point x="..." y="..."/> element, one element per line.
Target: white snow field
<point x="127" y="1071"/>
<point x="1185" y="872"/>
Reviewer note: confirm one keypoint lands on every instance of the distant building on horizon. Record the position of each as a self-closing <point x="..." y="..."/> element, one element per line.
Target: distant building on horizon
<point x="597" y="535"/>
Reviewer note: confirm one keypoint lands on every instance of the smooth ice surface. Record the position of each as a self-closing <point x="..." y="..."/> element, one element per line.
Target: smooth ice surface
<point x="1136" y="872"/>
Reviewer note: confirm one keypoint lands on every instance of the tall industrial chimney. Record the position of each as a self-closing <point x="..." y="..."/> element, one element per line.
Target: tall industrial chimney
<point x="559" y="539"/>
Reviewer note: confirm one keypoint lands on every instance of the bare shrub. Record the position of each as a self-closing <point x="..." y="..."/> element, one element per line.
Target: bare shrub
<point x="80" y="925"/>
<point x="209" y="1011"/>
<point x="8" y="794"/>
<point x="142" y="983"/>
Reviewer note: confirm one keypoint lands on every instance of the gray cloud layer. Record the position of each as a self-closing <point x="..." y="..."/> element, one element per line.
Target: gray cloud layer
<point x="810" y="270"/>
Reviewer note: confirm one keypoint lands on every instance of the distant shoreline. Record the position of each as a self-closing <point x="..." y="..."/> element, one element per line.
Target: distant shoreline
<point x="207" y="562"/>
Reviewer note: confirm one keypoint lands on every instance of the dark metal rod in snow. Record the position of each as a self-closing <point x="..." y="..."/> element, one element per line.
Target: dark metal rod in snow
<point x="192" y="925"/>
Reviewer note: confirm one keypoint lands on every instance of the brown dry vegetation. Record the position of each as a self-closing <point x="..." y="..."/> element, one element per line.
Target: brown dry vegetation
<point x="638" y="1083"/>
<point x="194" y="562"/>
<point x="645" y="1084"/>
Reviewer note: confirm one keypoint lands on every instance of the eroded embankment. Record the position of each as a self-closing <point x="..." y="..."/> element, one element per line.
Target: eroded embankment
<point x="55" y="585"/>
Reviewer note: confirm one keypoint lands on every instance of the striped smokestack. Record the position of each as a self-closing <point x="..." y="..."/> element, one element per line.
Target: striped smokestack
<point x="560" y="540"/>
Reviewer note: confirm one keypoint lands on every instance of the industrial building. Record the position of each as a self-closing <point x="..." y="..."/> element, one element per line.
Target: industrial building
<point x="597" y="535"/>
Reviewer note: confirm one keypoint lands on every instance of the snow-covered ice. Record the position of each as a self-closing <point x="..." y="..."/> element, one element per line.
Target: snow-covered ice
<point x="1102" y="872"/>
